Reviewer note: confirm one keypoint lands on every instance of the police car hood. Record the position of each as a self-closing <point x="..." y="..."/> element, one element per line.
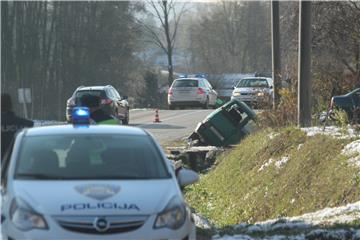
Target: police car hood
<point x="97" y="197"/>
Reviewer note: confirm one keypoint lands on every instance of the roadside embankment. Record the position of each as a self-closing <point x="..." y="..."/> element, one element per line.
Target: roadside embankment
<point x="281" y="174"/>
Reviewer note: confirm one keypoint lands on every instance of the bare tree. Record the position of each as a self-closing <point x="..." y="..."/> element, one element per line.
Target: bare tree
<point x="233" y="36"/>
<point x="169" y="15"/>
<point x="335" y="47"/>
<point x="52" y="47"/>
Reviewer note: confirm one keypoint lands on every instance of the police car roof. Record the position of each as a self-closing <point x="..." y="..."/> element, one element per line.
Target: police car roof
<point x="189" y="78"/>
<point x="255" y="78"/>
<point x="87" y="129"/>
<point x="93" y="88"/>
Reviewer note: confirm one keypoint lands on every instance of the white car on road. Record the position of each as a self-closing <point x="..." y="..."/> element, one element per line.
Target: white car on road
<point x="191" y="92"/>
<point x="92" y="182"/>
<point x="254" y="91"/>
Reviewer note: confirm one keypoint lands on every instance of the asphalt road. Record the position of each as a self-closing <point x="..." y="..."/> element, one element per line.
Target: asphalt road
<point x="174" y="125"/>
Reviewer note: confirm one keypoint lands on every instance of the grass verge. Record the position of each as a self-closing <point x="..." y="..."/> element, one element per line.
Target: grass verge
<point x="275" y="175"/>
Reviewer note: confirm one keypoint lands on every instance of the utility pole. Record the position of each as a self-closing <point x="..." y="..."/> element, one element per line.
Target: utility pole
<point x="304" y="65"/>
<point x="275" y="41"/>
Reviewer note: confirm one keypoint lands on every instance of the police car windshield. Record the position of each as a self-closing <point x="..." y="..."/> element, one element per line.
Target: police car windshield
<point x="253" y="82"/>
<point x="95" y="157"/>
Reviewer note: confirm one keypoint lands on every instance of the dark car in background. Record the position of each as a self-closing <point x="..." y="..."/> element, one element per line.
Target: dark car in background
<point x="349" y="102"/>
<point x="111" y="101"/>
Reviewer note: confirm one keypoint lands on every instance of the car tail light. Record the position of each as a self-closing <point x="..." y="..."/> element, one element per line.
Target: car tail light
<point x="106" y="101"/>
<point x="170" y="92"/>
<point x="71" y="102"/>
<point x="200" y="91"/>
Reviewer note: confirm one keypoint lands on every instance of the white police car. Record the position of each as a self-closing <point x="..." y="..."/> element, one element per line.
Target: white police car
<point x="92" y="182"/>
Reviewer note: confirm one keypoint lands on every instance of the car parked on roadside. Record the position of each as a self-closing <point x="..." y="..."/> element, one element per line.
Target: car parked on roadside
<point x="350" y="103"/>
<point x="111" y="101"/>
<point x="191" y="92"/>
<point x="92" y="182"/>
<point x="254" y="91"/>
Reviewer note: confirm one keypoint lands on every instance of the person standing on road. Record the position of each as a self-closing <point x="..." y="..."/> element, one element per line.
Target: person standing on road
<point x="96" y="113"/>
<point x="10" y="123"/>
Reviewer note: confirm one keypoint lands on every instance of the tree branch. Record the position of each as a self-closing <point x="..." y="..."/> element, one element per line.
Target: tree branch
<point x="154" y="35"/>
<point x="177" y="21"/>
<point x="158" y="14"/>
<point x="355" y="5"/>
<point x="348" y="66"/>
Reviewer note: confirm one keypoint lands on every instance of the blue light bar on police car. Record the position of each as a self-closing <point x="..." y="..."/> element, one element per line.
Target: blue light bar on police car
<point x="80" y="115"/>
<point x="200" y="75"/>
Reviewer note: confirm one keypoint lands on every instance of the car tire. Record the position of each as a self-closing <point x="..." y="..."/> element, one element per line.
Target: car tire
<point x="125" y="121"/>
<point x="206" y="104"/>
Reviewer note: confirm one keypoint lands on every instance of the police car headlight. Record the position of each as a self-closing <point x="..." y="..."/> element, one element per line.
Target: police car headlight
<point x="173" y="216"/>
<point x="24" y="217"/>
<point x="236" y="94"/>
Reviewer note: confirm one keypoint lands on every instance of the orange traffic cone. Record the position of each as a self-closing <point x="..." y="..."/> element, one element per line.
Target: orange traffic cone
<point x="157" y="118"/>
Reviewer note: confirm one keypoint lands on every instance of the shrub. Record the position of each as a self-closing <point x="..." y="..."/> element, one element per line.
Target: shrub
<point x="341" y="118"/>
<point x="284" y="115"/>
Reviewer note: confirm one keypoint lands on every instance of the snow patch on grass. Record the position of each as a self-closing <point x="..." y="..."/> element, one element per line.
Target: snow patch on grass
<point x="246" y="237"/>
<point x="355" y="161"/>
<point x="266" y="164"/>
<point x="272" y="135"/>
<point x="314" y="234"/>
<point x="342" y="214"/>
<point x="279" y="163"/>
<point x="307" y="223"/>
<point x="352" y="150"/>
<point x="282" y="162"/>
<point x="236" y="237"/>
<point x="331" y="131"/>
<point x="201" y="222"/>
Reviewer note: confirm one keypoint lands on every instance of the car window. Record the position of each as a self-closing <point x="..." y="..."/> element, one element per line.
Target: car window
<point x="270" y="82"/>
<point x="253" y="82"/>
<point x="208" y="84"/>
<point x="186" y="83"/>
<point x="79" y="94"/>
<point x="202" y="84"/>
<point x="110" y="93"/>
<point x="90" y="157"/>
<point x="116" y="94"/>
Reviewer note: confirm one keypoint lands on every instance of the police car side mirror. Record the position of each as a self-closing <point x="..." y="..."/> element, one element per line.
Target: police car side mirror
<point x="186" y="177"/>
